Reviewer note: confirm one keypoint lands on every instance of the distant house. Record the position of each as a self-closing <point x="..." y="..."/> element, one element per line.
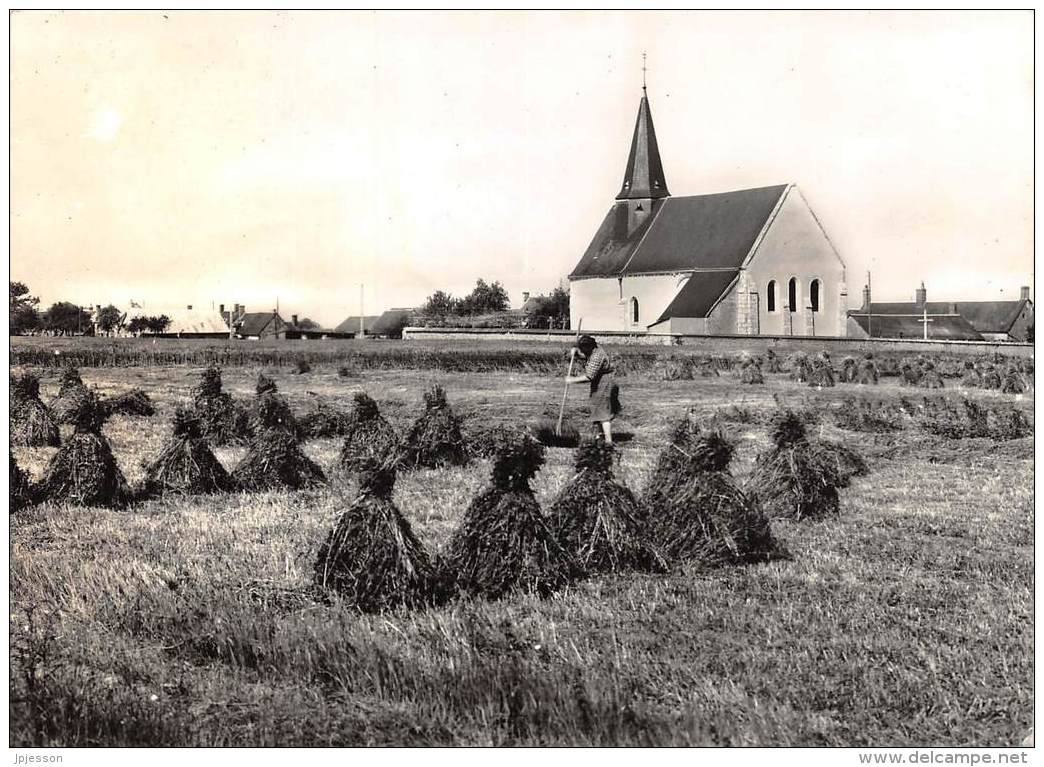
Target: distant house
<point x="954" y="320"/>
<point x="296" y="331"/>
<point x="350" y="325"/>
<point x="260" y="325"/>
<point x="391" y="323"/>
<point x="196" y="323"/>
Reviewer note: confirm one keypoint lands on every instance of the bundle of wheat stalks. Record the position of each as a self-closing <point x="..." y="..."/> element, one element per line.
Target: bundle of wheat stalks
<point x="504" y="543"/>
<point x="369" y="436"/>
<point x="274" y="458"/>
<point x="185" y="464"/>
<point x="72" y="393"/>
<point x="435" y="439"/>
<point x="32" y="423"/>
<point x="371" y="558"/>
<point x="222" y="420"/>
<point x="599" y="521"/>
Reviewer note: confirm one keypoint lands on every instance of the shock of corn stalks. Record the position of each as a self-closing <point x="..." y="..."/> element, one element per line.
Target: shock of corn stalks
<point x="84" y="471"/>
<point x="483" y="437"/>
<point x="31" y="421"/>
<point x="222" y="420"/>
<point x="504" y="543"/>
<point x="435" y="439"/>
<point x="991" y="379"/>
<point x="750" y="372"/>
<point x="1008" y="423"/>
<point x="772" y="363"/>
<point x="133" y="403"/>
<point x="910" y="373"/>
<point x="940" y="417"/>
<point x="271" y="410"/>
<point x="706" y="517"/>
<point x="372" y="558"/>
<point x="868" y="372"/>
<point x="866" y="416"/>
<point x="185" y="464"/>
<point x="675" y="369"/>
<point x="796" y="479"/>
<point x="546" y="431"/>
<point x="599" y="521"/>
<point x="274" y="461"/>
<point x="324" y="420"/>
<point x="849" y="370"/>
<point x="72" y="394"/>
<point x="970" y="377"/>
<point x="800" y="367"/>
<point x="19" y="492"/>
<point x="821" y="373"/>
<point x="672" y="461"/>
<point x="302" y="367"/>
<point x="370" y="435"/>
<point x="1013" y="382"/>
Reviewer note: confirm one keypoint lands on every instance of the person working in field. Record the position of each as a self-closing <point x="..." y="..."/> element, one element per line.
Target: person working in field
<point x="605" y="394"/>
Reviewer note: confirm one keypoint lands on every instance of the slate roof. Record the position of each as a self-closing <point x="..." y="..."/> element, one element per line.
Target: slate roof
<point x="951" y="327"/>
<point x="984" y="316"/>
<point x="710" y="231"/>
<point x="257" y="324"/>
<point x="698" y="296"/>
<point x="351" y="324"/>
<point x="644" y="175"/>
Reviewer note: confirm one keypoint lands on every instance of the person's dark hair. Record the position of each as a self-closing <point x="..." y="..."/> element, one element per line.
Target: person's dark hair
<point x="586" y="344"/>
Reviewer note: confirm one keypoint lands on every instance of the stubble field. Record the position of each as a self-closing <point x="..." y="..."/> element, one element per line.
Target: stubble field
<point x="906" y="621"/>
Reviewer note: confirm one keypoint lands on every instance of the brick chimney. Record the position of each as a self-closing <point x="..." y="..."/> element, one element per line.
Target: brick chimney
<point x="293" y="320"/>
<point x="189" y="307"/>
<point x="1024" y="293"/>
<point x="221" y="309"/>
<point x="866" y="296"/>
<point x="921" y="297"/>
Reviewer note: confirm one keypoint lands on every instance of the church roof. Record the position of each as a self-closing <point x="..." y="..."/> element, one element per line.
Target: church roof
<point x="644" y="175"/>
<point x="699" y="294"/>
<point x="984" y="316"/>
<point x="710" y="231"/>
<point x="950" y="327"/>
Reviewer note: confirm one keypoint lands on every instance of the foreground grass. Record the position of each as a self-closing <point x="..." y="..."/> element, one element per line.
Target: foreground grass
<point x="908" y="620"/>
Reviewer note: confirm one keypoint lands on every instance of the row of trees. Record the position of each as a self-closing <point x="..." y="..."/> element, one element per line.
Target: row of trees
<point x="67" y="318"/>
<point x="484" y="299"/>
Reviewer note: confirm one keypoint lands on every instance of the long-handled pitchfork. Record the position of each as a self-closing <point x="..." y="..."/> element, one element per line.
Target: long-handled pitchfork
<point x="572" y="357"/>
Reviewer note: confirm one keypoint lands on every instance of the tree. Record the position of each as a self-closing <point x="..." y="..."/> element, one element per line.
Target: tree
<point x="138" y="325"/>
<point x="485" y="299"/>
<point x="308" y="324"/>
<point x="555" y="305"/>
<point x="24" y="316"/>
<point x="157" y="324"/>
<point x="439" y="304"/>
<point x="67" y="318"/>
<point x="108" y="318"/>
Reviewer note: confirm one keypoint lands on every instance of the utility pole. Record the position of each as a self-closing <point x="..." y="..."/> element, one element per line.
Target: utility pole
<point x="362" y="330"/>
<point x="869" y="310"/>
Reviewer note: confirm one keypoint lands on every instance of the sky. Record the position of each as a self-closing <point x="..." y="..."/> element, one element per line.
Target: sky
<point x="201" y="158"/>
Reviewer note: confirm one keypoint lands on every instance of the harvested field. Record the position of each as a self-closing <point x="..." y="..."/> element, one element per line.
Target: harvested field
<point x="185" y="620"/>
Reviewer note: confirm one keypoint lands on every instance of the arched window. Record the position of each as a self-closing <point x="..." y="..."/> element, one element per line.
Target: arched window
<point x="771" y="296"/>
<point x="813" y="295"/>
<point x="792" y="303"/>
<point x="634" y="311"/>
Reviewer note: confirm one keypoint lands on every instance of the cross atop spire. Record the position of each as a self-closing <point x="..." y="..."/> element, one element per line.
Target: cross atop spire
<point x="644" y="177"/>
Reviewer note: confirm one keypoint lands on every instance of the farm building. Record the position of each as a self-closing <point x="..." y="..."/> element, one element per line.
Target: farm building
<point x="954" y="320"/>
<point x="260" y="325"/>
<point x="748" y="262"/>
<point x="350" y="325"/>
<point x="185" y="321"/>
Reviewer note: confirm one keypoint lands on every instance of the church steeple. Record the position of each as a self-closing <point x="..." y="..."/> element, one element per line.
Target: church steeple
<point x="644" y="177"/>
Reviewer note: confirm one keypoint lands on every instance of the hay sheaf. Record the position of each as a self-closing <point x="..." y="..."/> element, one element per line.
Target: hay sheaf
<point x="222" y="420"/>
<point x="599" y="521"/>
<point x="370" y="436"/>
<point x="72" y="395"/>
<point x="371" y="558"/>
<point x="821" y="374"/>
<point x="273" y="461"/>
<point x="132" y="403"/>
<point x="866" y="416"/>
<point x="991" y="378"/>
<point x="19" y="491"/>
<point x="750" y="372"/>
<point x="867" y="372"/>
<point x="84" y="471"/>
<point x="186" y="465"/>
<point x="849" y="370"/>
<point x="1013" y="381"/>
<point x="800" y="367"/>
<point x="32" y="422"/>
<point x="435" y="439"/>
<point x="674" y="459"/>
<point x="324" y="420"/>
<point x="271" y="410"/>
<point x="706" y="517"/>
<point x="796" y="479"/>
<point x="772" y="363"/>
<point x="970" y="377"/>
<point x="504" y="543"/>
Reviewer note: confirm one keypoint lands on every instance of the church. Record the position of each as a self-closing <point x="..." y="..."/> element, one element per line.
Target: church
<point x="747" y="262"/>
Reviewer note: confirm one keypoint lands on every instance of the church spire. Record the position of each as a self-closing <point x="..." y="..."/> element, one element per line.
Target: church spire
<point x="644" y="177"/>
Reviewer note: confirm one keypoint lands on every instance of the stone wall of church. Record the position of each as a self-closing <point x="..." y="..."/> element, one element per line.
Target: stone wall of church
<point x="795" y="247"/>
